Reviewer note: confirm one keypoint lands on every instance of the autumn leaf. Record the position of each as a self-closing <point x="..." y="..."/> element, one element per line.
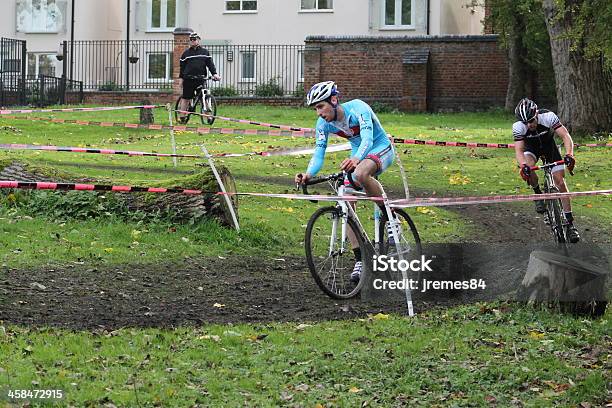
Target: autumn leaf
<point x="425" y="210"/>
<point x="458" y="179"/>
<point x="355" y="390"/>
<point x="380" y="316"/>
<point x="536" y="335"/>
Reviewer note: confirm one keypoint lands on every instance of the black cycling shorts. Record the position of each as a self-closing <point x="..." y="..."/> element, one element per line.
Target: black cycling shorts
<point x="549" y="152"/>
<point x="189" y="87"/>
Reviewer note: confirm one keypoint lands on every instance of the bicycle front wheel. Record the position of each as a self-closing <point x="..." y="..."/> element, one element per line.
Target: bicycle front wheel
<point x="410" y="242"/>
<point x="177" y="115"/>
<point x="555" y="217"/>
<point x="330" y="258"/>
<point x="209" y="108"/>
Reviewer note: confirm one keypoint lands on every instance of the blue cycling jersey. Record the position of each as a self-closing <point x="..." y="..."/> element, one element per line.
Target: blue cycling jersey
<point x="360" y="126"/>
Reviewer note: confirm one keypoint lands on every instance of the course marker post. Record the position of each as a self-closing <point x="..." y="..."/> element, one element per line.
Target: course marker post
<point x="173" y="141"/>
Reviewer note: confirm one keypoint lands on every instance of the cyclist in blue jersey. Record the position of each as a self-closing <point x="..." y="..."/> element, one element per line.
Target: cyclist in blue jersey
<point x="372" y="152"/>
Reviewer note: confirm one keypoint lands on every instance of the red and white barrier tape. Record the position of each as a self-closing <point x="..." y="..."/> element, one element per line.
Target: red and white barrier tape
<point x="93" y="109"/>
<point x="178" y="128"/>
<point x="252" y="122"/>
<point x="282" y="131"/>
<point x="477" y="144"/>
<point x="68" y="149"/>
<point x="401" y="203"/>
<point x="448" y="201"/>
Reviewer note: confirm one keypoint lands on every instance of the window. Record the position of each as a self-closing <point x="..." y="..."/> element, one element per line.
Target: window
<point x="159" y="66"/>
<point x="313" y="5"/>
<point x="398" y="13"/>
<point x="40" y="16"/>
<point x="162" y="14"/>
<point x="41" y="64"/>
<point x="241" y="5"/>
<point x="247" y="66"/>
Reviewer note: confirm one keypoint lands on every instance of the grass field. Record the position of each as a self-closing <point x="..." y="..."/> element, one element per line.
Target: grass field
<point x="268" y="226"/>
<point x="495" y="354"/>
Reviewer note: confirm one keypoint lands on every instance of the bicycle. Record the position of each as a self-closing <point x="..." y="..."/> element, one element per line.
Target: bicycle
<point x="554" y="216"/>
<point x="202" y="98"/>
<point x="328" y="252"/>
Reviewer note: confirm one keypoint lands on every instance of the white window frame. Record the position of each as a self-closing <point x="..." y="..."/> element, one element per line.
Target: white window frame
<point x="44" y="9"/>
<point x="242" y="78"/>
<point x="241" y="11"/>
<point x="314" y="10"/>
<point x="398" y="16"/>
<point x="163" y="17"/>
<point x="167" y="78"/>
<point x="37" y="55"/>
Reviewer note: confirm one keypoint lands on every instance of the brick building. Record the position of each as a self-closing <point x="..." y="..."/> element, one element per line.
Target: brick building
<point x="424" y="73"/>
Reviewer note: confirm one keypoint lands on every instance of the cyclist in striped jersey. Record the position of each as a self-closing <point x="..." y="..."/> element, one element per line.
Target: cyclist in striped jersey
<point x="372" y="152"/>
<point x="534" y="138"/>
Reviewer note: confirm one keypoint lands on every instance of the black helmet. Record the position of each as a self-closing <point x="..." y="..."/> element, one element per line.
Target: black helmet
<point x="526" y="110"/>
<point x="194" y="35"/>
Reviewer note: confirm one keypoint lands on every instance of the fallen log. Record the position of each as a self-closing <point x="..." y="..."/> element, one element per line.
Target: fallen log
<point x="172" y="206"/>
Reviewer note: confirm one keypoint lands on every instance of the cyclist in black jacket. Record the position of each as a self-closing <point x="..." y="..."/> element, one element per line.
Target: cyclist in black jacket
<point x="534" y="138"/>
<point x="195" y="64"/>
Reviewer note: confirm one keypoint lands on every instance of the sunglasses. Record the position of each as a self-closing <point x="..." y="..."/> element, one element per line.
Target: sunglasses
<point x="531" y="121"/>
<point x="193" y="39"/>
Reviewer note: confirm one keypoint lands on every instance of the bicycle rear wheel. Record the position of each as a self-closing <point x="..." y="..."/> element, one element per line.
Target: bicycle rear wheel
<point x="410" y="242"/>
<point x="331" y="260"/>
<point x="209" y="108"/>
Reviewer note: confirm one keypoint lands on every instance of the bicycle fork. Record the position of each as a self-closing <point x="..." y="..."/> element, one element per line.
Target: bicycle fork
<point x="398" y="247"/>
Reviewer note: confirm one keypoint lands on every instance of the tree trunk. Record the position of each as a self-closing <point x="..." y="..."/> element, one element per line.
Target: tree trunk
<point x="518" y="75"/>
<point x="575" y="286"/>
<point x="584" y="87"/>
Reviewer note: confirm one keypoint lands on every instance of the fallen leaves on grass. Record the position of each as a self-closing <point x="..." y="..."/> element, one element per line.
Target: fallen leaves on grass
<point x="458" y="179"/>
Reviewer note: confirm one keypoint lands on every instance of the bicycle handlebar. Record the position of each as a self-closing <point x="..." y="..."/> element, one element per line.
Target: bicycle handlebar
<point x="323" y="179"/>
<point x="548" y="165"/>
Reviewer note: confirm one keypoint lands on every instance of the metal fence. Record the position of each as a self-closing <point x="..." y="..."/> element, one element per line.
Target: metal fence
<point x="17" y="88"/>
<point x="246" y="70"/>
<point x="12" y="71"/>
<point x="44" y="90"/>
<point x="113" y="66"/>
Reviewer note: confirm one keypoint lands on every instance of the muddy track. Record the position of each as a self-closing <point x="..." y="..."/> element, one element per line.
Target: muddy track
<point x="255" y="289"/>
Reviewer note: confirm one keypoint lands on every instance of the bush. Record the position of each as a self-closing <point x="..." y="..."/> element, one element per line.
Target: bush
<point x="299" y="91"/>
<point x="225" y="91"/>
<point x="381" y="107"/>
<point x="271" y="88"/>
<point x="109" y="86"/>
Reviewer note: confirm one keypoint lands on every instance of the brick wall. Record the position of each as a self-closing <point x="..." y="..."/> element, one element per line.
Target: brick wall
<point x="461" y="73"/>
<point x="108" y="98"/>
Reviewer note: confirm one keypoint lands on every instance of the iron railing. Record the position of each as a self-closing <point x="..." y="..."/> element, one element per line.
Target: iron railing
<point x="44" y="90"/>
<point x="12" y="71"/>
<point x="246" y="70"/>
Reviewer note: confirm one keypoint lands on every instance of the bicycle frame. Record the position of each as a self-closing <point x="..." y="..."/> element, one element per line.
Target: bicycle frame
<point x="347" y="211"/>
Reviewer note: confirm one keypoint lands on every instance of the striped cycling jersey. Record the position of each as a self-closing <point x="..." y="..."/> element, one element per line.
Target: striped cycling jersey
<point x="548" y="122"/>
<point x="360" y="126"/>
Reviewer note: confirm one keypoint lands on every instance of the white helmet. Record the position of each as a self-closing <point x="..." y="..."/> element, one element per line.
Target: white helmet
<point x="321" y="92"/>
